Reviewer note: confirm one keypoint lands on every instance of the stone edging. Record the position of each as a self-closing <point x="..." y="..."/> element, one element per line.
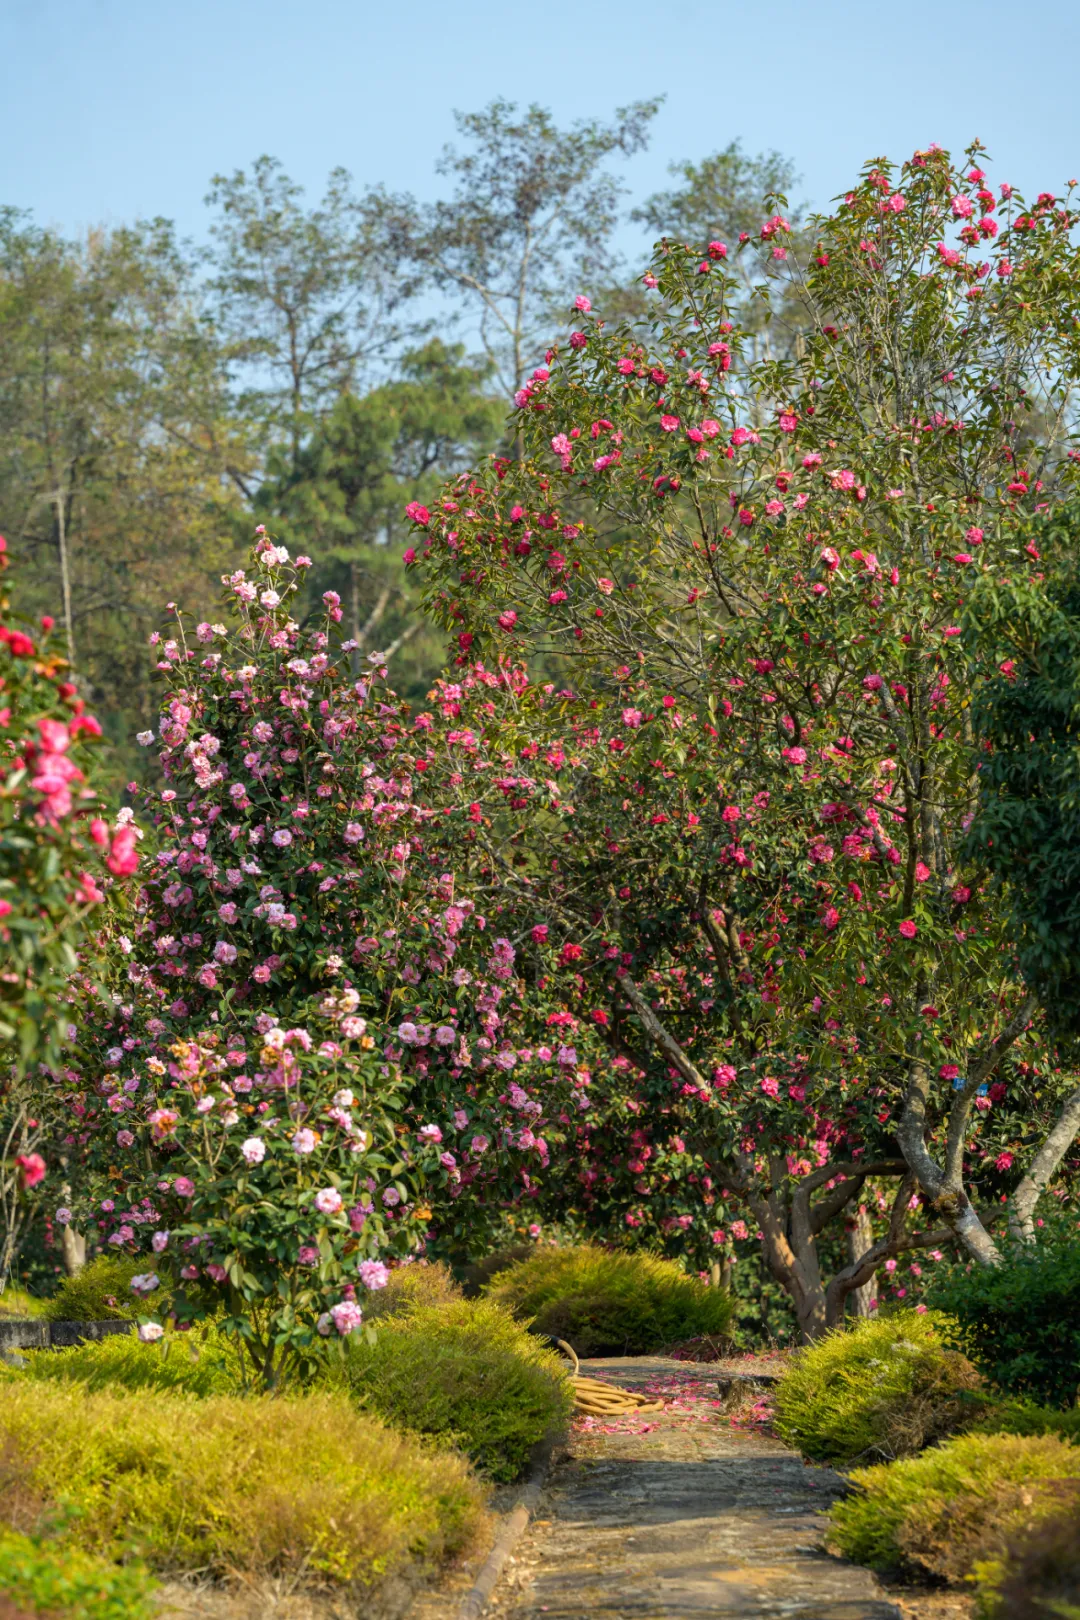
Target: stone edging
<point x="36" y="1334"/>
<point x="513" y="1527"/>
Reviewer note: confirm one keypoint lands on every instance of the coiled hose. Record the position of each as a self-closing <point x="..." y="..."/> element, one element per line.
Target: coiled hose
<point x="594" y="1398"/>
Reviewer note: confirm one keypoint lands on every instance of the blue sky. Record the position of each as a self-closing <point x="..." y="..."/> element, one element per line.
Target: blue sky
<point x="115" y="108"/>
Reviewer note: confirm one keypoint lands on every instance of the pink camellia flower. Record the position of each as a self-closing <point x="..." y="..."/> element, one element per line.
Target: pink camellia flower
<point x="922" y="871"/>
<point x="216" y="1271"/>
<point x="159" y="1242"/>
<point x="908" y="929"/>
<point x="207" y="977"/>
<point x="949" y="1071"/>
<point x="183" y="1186"/>
<point x="962" y="207"/>
<point x="125" y="1139"/>
<point x="539" y="933"/>
<point x="304" y="1141"/>
<point x="282" y="838"/>
<point x="328" y="1201"/>
<point x="1004" y="1161"/>
<point x="373" y="1274"/>
<point x="149" y="1332"/>
<point x="99" y="832"/>
<point x="724" y="1076"/>
<point x="418" y="514"/>
<point x="31" y="1168"/>
<point x="346" y="1317"/>
<point x="605" y="585"/>
<point x="430" y="1133"/>
<point x="961" y="895"/>
<point x="353" y="833"/>
<point x="224" y="952"/>
<point x="507" y="620"/>
<point x="582" y="303"/>
<point x="830" y="918"/>
<point x="770" y="1087"/>
<point x="738" y="1229"/>
<point x="228" y="913"/>
<point x="123" y="858"/>
<point x="974" y="536"/>
<point x="253" y="1150"/>
<point x="145" y="1283"/>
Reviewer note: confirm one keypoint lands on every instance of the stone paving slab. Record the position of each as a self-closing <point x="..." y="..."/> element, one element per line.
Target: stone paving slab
<point x="682" y="1515"/>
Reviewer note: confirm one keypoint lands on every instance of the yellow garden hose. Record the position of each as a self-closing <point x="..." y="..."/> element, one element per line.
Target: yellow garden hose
<point x="594" y="1398"/>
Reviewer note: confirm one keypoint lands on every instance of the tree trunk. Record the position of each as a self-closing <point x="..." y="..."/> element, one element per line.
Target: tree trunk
<point x="65" y="572"/>
<point x="72" y="1250"/>
<point x="860" y="1238"/>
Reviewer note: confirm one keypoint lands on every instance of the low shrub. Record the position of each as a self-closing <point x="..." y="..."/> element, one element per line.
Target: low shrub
<point x="203" y="1361"/>
<point x="1020" y="1321"/>
<point x="1038" y="1575"/>
<point x="606" y="1303"/>
<point x="409" y="1287"/>
<point x="884" y="1388"/>
<point x="16" y="1302"/>
<point x="303" y="1489"/>
<point x="954" y="1506"/>
<point x="1024" y="1417"/>
<point x="466" y="1374"/>
<point x="100" y="1292"/>
<point x="45" y="1576"/>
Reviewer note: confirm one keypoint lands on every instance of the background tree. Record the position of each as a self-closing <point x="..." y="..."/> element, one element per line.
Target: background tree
<point x="304" y="297"/>
<point x="530" y="220"/>
<point x="119" y="453"/>
<point x="344" y="496"/>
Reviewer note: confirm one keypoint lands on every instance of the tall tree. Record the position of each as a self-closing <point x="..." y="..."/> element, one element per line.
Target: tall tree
<point x="305" y="296"/>
<point x="531" y="216"/>
<point x="119" y="447"/>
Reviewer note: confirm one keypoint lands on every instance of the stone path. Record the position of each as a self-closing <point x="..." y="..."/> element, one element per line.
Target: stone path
<point x="682" y="1515"/>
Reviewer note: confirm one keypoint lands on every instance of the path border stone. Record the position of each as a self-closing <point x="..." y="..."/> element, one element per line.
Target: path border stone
<point x="32" y="1333"/>
<point x="512" y="1529"/>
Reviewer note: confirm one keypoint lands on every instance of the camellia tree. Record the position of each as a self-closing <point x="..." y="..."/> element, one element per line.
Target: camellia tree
<point x="56" y="852"/>
<point x="760" y="882"/>
<point x="307" y="1059"/>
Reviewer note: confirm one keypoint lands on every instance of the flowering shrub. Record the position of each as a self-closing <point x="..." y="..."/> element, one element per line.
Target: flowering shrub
<point x="58" y="855"/>
<point x="56" y="851"/>
<point x="758" y="890"/>
<point x="309" y="1055"/>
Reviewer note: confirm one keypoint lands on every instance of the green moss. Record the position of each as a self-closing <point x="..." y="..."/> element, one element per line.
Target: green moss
<point x="606" y="1303"/>
<point x="954" y="1506"/>
<point x="45" y="1575"/>
<point x="467" y="1375"/>
<point x="100" y="1292"/>
<point x="886" y="1387"/>
<point x="305" y="1489"/>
